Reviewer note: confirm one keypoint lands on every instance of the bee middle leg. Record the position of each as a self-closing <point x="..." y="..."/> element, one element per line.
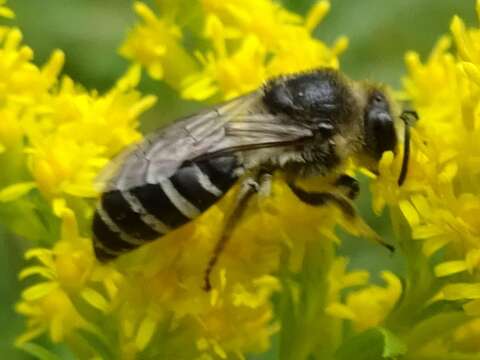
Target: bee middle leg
<point x="247" y="189"/>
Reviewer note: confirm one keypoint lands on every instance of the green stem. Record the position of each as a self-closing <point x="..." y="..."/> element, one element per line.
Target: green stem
<point x="307" y="332"/>
<point x="420" y="286"/>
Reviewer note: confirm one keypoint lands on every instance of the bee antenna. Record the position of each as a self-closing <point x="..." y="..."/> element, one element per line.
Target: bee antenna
<point x="407" y="116"/>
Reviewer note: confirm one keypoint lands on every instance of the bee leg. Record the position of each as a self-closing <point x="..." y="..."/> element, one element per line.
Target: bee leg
<point x="349" y="185"/>
<point x="248" y="188"/>
<point x="265" y="184"/>
<point x="322" y="198"/>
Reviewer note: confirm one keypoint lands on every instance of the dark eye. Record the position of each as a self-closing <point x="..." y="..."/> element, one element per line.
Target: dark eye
<point x="380" y="132"/>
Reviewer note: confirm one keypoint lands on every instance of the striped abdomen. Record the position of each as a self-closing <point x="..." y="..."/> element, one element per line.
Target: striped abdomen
<point x="126" y="219"/>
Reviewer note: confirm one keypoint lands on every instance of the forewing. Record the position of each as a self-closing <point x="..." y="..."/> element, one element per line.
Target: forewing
<point x="238" y="125"/>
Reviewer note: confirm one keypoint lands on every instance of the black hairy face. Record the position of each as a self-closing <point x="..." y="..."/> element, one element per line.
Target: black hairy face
<point x="314" y="98"/>
<point x="380" y="134"/>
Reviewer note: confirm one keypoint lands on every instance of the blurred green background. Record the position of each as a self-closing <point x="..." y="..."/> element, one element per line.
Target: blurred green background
<point x="90" y="31"/>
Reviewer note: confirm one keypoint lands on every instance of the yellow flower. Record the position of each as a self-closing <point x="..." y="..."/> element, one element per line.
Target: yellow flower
<point x="440" y="198"/>
<point x="448" y="131"/>
<point x="21" y="84"/>
<point x="247" y="68"/>
<point x="55" y="136"/>
<point x="21" y="81"/>
<point x="156" y="44"/>
<point x="6" y="11"/>
<point x="249" y="41"/>
<point x="369" y="307"/>
<point x="50" y="312"/>
<point x="71" y="137"/>
<point x="69" y="274"/>
<point x="229" y="74"/>
<point x="265" y="19"/>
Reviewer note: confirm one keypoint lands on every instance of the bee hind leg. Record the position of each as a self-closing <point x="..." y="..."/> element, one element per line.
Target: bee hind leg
<point x="247" y="189"/>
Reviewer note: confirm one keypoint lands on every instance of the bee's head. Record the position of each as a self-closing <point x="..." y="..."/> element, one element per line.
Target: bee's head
<point x="380" y="130"/>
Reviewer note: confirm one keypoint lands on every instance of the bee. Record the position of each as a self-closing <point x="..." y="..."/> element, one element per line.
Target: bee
<point x="302" y="125"/>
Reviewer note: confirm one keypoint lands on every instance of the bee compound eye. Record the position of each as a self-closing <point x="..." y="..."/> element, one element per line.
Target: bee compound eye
<point x="383" y="122"/>
<point x="380" y="132"/>
<point x="385" y="136"/>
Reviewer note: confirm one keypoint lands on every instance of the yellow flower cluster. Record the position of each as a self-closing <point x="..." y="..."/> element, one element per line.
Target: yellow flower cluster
<point x="243" y="43"/>
<point x="440" y="199"/>
<point x="54" y="135"/>
<point x="64" y="132"/>
<point x="54" y="138"/>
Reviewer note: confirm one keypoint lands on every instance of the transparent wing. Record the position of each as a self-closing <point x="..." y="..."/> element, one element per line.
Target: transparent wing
<point x="239" y="125"/>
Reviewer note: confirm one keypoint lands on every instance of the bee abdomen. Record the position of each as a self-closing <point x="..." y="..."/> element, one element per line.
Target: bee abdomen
<point x="126" y="219"/>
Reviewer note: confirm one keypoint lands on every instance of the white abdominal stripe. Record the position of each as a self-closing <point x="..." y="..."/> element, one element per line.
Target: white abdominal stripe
<point x="126" y="219"/>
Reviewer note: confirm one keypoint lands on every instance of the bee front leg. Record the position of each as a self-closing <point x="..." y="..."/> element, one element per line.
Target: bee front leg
<point x="348" y="185"/>
<point x="344" y="204"/>
<point x="247" y="189"/>
<point x="323" y="198"/>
